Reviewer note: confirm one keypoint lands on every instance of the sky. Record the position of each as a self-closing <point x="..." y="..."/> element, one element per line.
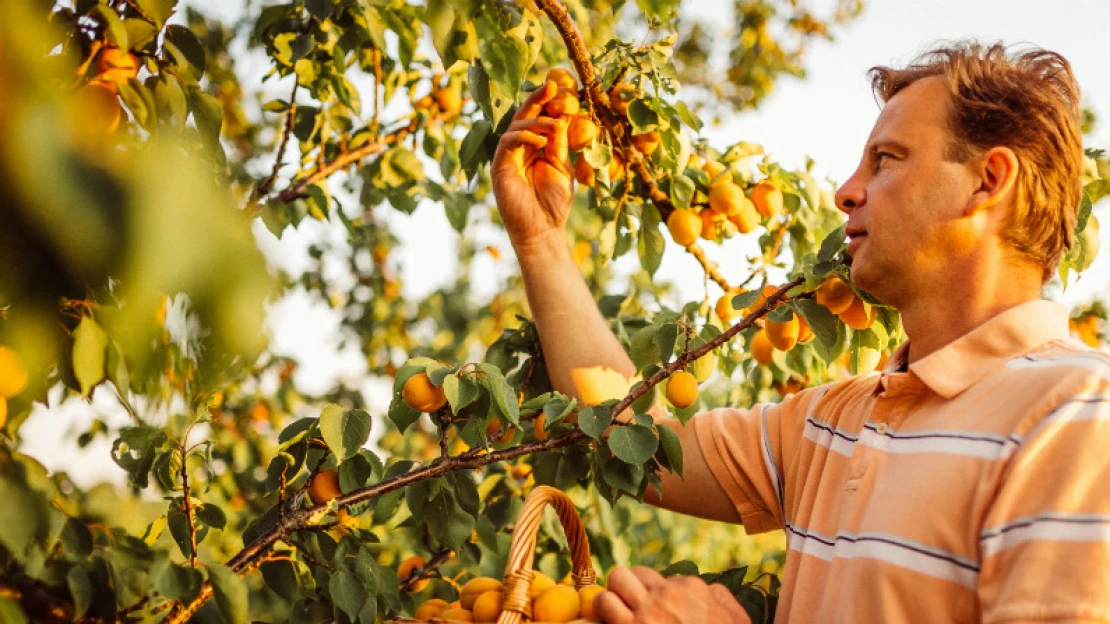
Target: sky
<point x="827" y="116"/>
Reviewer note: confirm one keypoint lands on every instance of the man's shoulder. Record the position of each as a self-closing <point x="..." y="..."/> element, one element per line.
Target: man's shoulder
<point x="1064" y="364"/>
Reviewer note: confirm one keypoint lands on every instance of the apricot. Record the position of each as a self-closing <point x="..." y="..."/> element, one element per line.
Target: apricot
<point x="835" y="294"/>
<point x="562" y="77"/>
<point x="805" y="334"/>
<point x="619" y="97"/>
<point x="584" y="173"/>
<point x="761" y="348"/>
<point x="430" y="609"/>
<point x="685" y="226"/>
<point x="324" y="487"/>
<point x="711" y="221"/>
<point x="449" y="100"/>
<point x="859" y="315"/>
<point x="647" y="142"/>
<point x="564" y="103"/>
<point x="586" y="597"/>
<point x="116" y="65"/>
<point x="726" y="197"/>
<point x="100" y="106"/>
<point x="494" y="426"/>
<point x="538" y="424"/>
<point x="746" y="219"/>
<point x="406" y="568"/>
<point x="540" y="583"/>
<point x="581" y="133"/>
<point x="476" y="587"/>
<point x="3" y="411"/>
<point x="767" y="198"/>
<point x="704" y="366"/>
<point x="582" y="251"/>
<point x="616" y="168"/>
<point x="456" y="615"/>
<point x="419" y="394"/>
<point x="724" y="309"/>
<point x="714" y="169"/>
<point x="13" y="376"/>
<point x="783" y="336"/>
<point x="487" y="607"/>
<point x="682" y="389"/>
<point x="558" y="604"/>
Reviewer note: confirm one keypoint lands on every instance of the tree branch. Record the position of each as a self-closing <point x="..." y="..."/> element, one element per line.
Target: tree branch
<point x="290" y="117"/>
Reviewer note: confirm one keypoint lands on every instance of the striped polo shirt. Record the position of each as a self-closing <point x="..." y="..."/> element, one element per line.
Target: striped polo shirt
<point x="974" y="487"/>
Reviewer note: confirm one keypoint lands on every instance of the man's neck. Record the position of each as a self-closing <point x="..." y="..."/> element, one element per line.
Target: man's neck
<point x="932" y="324"/>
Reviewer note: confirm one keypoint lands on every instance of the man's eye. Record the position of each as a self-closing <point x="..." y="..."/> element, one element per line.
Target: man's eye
<point x="882" y="157"/>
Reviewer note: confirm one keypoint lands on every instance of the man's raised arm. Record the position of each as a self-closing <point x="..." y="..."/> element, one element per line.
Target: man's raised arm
<point x="532" y="182"/>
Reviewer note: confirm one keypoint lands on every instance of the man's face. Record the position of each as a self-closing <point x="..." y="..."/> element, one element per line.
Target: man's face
<point x="906" y="202"/>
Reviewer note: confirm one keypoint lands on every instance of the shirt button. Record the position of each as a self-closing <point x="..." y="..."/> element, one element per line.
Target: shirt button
<point x="881" y="429"/>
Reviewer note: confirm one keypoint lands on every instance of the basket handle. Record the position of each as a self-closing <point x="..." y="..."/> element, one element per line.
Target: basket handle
<point x="516" y="603"/>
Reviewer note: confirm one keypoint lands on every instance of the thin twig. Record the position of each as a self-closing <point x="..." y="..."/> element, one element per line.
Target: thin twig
<point x="290" y="117"/>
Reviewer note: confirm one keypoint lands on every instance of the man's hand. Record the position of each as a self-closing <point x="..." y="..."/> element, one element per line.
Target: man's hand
<point x="643" y="596"/>
<point x="532" y="176"/>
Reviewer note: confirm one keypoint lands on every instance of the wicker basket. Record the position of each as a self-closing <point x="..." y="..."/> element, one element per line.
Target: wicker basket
<point x="516" y="604"/>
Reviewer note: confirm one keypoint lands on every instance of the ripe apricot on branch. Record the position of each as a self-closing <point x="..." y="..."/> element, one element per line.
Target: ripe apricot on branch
<point x="562" y="77"/>
<point x="726" y="197"/>
<point x="564" y="103"/>
<point x="98" y="101"/>
<point x="13" y="376"/>
<point x="746" y="219"/>
<point x="449" y="100"/>
<point x="761" y="348"/>
<point x="835" y="294"/>
<point x="859" y="315"/>
<point x="584" y="173"/>
<point x="685" y="226"/>
<point x="421" y="395"/>
<point x="724" y="308"/>
<point x="116" y="65"/>
<point x="558" y="604"/>
<point x="767" y="198"/>
<point x="783" y="336"/>
<point x="805" y="333"/>
<point x="619" y="97"/>
<point x="646" y="142"/>
<point x="406" y="568"/>
<point x="616" y="168"/>
<point x="581" y="133"/>
<point x="324" y="487"/>
<point x="682" y="389"/>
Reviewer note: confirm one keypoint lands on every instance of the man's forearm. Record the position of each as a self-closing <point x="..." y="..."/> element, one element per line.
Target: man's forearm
<point x="583" y="357"/>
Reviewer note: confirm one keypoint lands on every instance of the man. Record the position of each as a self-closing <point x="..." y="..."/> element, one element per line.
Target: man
<point x="968" y="481"/>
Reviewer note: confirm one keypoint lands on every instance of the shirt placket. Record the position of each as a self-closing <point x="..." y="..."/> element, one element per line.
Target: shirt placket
<point x="895" y="398"/>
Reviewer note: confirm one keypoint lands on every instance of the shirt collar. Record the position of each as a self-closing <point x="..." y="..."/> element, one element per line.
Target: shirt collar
<point x="964" y="361"/>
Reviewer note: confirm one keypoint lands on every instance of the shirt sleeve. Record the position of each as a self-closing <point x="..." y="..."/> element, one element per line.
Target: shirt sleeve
<point x="747" y="449"/>
<point x="1045" y="539"/>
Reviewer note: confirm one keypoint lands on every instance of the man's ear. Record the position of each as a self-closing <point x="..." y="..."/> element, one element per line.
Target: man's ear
<point x="997" y="171"/>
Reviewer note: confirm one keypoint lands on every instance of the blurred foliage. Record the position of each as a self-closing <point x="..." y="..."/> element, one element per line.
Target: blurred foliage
<point x="142" y="141"/>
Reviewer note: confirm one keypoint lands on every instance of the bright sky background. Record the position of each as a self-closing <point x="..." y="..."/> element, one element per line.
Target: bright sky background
<point x="827" y="117"/>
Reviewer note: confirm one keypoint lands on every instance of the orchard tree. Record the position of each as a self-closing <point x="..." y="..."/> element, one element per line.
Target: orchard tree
<point x="142" y="139"/>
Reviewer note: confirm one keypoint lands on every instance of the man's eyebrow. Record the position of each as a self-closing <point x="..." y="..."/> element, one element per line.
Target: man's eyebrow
<point x="888" y="145"/>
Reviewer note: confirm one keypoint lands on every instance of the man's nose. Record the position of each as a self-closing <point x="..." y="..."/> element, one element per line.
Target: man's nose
<point x="852" y="194"/>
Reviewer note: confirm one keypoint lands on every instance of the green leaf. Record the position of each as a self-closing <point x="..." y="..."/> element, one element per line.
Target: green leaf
<point x="643" y="117"/>
<point x="187" y="43"/>
<point x="288" y="578"/>
<point x="651" y="242"/>
<point x="633" y="444"/>
<point x="665" y="338"/>
<point x="745" y="299"/>
<point x="672" y="447"/>
<point x="320" y="9"/>
<point x="688" y="117"/>
<point x="90" y="344"/>
<point x="682" y="191"/>
<point x="505" y="58"/>
<point x="141" y="34"/>
<point x="117" y="34"/>
<point x="347" y="593"/>
<point x="684" y="568"/>
<point x="344" y="431"/>
<point x="594" y="420"/>
<point x="158" y="10"/>
<point x="207" y="113"/>
<point x="622" y="476"/>
<point x="453" y="35"/>
<point x="448" y="523"/>
<point x="643" y="351"/>
<point x="832" y="245"/>
<point x="180" y="582"/>
<point x="231" y="593"/>
<point x="503" y="394"/>
<point x="80" y="589"/>
<point x="460" y="391"/>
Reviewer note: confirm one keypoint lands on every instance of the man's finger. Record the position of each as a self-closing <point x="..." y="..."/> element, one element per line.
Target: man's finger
<point x="650" y="578"/>
<point x="727" y="602"/>
<point x="533" y="106"/>
<point x="536" y="124"/>
<point x="558" y="148"/>
<point x="629" y="588"/>
<point x="612" y="610"/>
<point x="522" y="138"/>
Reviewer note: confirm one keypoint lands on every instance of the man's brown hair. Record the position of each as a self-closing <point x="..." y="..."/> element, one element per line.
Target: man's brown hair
<point x="1027" y="101"/>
